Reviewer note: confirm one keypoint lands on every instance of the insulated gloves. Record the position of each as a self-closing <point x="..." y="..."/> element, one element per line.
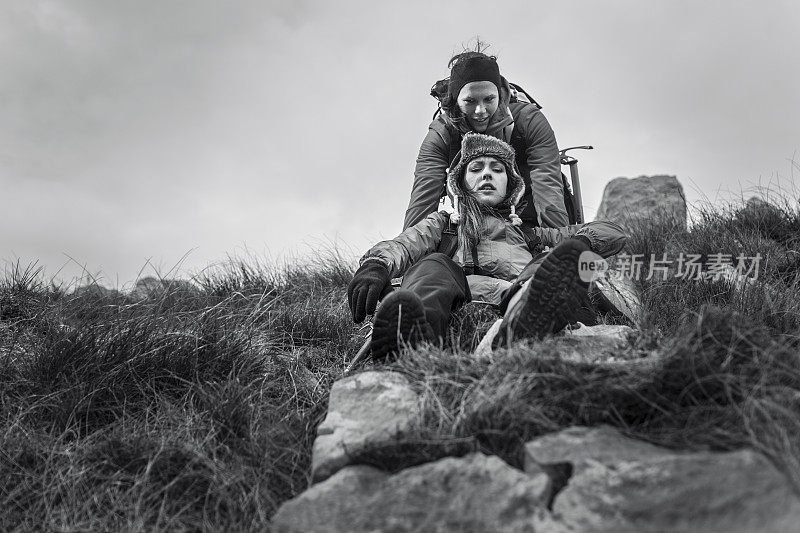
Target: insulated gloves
<point x="370" y="283"/>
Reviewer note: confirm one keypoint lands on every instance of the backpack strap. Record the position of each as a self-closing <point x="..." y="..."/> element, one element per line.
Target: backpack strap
<point x="533" y="241"/>
<point x="517" y="142"/>
<point x="449" y="243"/>
<point x="516" y="89"/>
<point x="454" y="145"/>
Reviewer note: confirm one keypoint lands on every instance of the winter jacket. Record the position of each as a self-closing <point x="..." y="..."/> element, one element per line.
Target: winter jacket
<point x="501" y="254"/>
<point x="540" y="164"/>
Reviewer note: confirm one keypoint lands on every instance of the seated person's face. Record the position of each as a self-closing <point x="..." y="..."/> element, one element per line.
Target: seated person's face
<point x="486" y="178"/>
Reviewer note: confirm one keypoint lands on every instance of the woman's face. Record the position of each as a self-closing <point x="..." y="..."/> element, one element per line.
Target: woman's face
<point x="485" y="177"/>
<point x="478" y="100"/>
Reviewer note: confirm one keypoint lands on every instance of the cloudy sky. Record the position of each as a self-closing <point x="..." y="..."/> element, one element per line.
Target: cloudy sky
<point x="144" y="134"/>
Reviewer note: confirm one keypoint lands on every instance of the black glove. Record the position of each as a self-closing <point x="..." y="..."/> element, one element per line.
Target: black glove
<point x="370" y="283"/>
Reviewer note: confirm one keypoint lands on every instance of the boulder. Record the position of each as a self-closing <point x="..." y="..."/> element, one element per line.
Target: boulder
<point x="589" y="344"/>
<point x="618" y="294"/>
<point x="604" y="481"/>
<point x="95" y="290"/>
<point x="607" y="331"/>
<point x="625" y="200"/>
<point x="152" y="287"/>
<point x="364" y="410"/>
<point x="602" y="343"/>
<point x="758" y="209"/>
<point x="475" y="493"/>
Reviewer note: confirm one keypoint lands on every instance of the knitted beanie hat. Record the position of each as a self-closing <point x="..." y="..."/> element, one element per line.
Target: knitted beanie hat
<point x="475" y="68"/>
<point x="475" y="145"/>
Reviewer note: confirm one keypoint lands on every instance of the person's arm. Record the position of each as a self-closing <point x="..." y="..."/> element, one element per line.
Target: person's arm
<point x="544" y="162"/>
<point x="390" y="259"/>
<point x="421" y="239"/>
<point x="605" y="238"/>
<point x="430" y="176"/>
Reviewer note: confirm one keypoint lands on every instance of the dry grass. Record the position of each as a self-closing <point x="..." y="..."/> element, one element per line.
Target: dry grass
<point x="196" y="408"/>
<point x="721" y="384"/>
<point x="713" y="367"/>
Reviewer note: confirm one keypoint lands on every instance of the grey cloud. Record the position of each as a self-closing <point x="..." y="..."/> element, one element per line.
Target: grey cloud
<point x="200" y="124"/>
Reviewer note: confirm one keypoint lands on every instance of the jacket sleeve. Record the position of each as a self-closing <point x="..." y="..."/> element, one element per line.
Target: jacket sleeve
<point x="606" y="238"/>
<point x="544" y="162"/>
<point x="430" y="176"/>
<point x="413" y="244"/>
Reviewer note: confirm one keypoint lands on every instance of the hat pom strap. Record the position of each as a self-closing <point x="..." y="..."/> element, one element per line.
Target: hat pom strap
<point x="455" y="216"/>
<point x="514" y="217"/>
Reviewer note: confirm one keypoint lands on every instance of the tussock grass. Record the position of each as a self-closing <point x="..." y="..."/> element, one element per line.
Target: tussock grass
<point x="195" y="407"/>
<point x="714" y="367"/>
<point x="721" y="384"/>
<point x="754" y="229"/>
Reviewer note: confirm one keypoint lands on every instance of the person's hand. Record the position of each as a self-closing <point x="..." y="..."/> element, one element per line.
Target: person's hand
<point x="370" y="283"/>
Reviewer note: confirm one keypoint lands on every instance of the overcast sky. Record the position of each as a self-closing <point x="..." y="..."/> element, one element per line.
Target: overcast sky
<point x="145" y="130"/>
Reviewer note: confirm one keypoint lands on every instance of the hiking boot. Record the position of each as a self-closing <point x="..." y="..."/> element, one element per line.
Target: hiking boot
<point x="399" y="322"/>
<point x="554" y="297"/>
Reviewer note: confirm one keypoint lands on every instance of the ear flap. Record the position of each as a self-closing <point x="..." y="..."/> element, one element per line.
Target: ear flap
<point x="453" y="189"/>
<point x="516" y="184"/>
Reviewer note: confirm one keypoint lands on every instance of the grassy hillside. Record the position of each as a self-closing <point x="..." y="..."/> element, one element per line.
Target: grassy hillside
<point x="196" y="408"/>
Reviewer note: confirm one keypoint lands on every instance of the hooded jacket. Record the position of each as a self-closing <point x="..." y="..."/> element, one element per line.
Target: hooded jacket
<point x="540" y="165"/>
<point x="501" y="254"/>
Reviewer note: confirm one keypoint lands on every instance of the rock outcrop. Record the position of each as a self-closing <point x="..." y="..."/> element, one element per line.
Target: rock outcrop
<point x="583" y="343"/>
<point x="618" y="294"/>
<point x="364" y="410"/>
<point x="594" y="344"/>
<point x="95" y="290"/>
<point x="476" y="493"/>
<point x="759" y="209"/>
<point x="626" y="200"/>
<point x="577" y="479"/>
<point x="615" y="483"/>
<point x="151" y="287"/>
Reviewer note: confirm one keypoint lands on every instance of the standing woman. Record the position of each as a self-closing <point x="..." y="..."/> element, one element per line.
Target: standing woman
<point x="477" y="99"/>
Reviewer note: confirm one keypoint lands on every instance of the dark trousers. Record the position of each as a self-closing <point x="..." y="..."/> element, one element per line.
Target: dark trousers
<point x="441" y="285"/>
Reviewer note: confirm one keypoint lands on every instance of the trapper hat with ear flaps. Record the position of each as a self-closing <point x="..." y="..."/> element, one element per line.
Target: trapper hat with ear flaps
<point x="475" y="145"/>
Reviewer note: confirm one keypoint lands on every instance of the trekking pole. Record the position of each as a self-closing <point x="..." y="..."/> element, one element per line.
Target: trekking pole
<point x="572" y="163"/>
<point x="363" y="352"/>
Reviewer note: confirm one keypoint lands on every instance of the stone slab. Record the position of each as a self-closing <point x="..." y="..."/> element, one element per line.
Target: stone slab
<point x="621" y="484"/>
<point x="364" y="409"/>
<point x="475" y="493"/>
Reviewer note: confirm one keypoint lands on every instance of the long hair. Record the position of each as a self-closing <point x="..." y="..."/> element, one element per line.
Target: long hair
<point x="473" y="221"/>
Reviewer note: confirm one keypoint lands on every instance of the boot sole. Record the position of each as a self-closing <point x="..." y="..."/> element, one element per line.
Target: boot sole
<point x="553" y="298"/>
<point x="399" y="322"/>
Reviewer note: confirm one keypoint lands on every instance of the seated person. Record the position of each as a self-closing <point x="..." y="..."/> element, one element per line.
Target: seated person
<point x="493" y="257"/>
